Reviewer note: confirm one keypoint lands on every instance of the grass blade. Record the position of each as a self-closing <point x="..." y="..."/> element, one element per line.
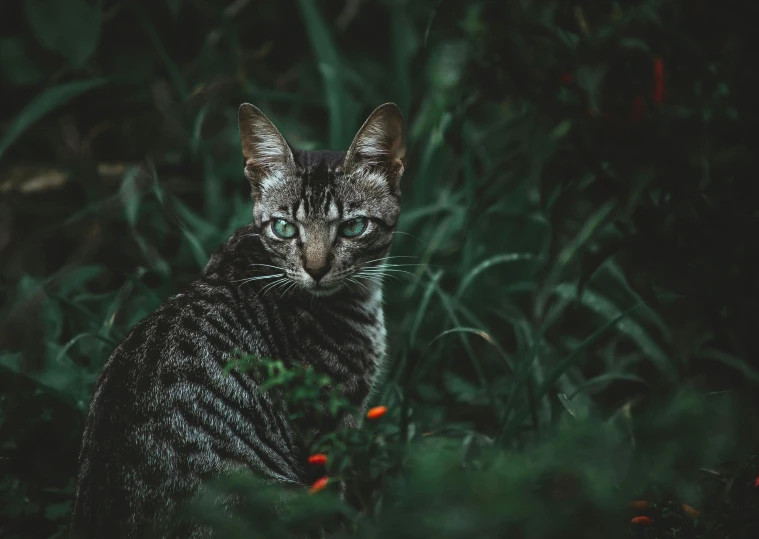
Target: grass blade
<point x="44" y="103"/>
<point x="329" y="65"/>
<point x="489" y="263"/>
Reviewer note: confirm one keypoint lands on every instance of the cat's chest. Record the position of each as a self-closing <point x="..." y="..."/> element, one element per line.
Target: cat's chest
<point x="344" y="330"/>
<point x="348" y="341"/>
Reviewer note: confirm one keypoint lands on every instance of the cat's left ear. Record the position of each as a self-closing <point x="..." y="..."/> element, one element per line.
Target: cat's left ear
<point x="380" y="145"/>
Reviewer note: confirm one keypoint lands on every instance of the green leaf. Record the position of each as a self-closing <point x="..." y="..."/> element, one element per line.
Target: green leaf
<point x="561" y="130"/>
<point x="16" y="65"/>
<point x="463" y="390"/>
<point x="78" y="277"/>
<point x="44" y="103"/>
<point x="329" y="65"/>
<point x="603" y="380"/>
<point x="489" y="263"/>
<point x="70" y="28"/>
<point x="636" y="332"/>
<point x="738" y="364"/>
<point x="130" y="195"/>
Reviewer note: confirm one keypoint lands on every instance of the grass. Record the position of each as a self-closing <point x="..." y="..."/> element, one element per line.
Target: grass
<point x="578" y="332"/>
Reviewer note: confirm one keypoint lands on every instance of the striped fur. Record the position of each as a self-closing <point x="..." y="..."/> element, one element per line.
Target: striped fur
<point x="164" y="418"/>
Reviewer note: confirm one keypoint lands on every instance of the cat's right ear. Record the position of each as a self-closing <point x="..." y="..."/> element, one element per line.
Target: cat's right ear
<point x="268" y="157"/>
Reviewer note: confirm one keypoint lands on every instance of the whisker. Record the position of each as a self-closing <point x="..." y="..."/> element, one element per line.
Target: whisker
<point x="398" y="265"/>
<point x="287" y="289"/>
<point x="269" y="266"/>
<point x="359" y="283"/>
<point x="272" y="285"/>
<point x="389" y="257"/>
<point x="256" y="278"/>
<point x="385" y="270"/>
<point x="407" y="234"/>
<point x="376" y="277"/>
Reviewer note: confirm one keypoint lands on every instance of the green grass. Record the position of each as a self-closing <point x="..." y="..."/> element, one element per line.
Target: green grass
<point x="577" y="332"/>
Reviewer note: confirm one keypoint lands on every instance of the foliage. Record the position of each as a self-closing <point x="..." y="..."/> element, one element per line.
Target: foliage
<point x="576" y="332"/>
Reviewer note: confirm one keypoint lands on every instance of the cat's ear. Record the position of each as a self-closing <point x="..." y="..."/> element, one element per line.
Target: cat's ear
<point x="380" y="145"/>
<point x="267" y="155"/>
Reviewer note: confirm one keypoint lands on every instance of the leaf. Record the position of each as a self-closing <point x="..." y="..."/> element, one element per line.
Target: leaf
<point x="731" y="361"/>
<point x="78" y="277"/>
<point x="463" y="390"/>
<point x="329" y="66"/>
<point x="604" y="379"/>
<point x="589" y="229"/>
<point x="70" y="28"/>
<point x="634" y="43"/>
<point x="489" y="263"/>
<point x="44" y="103"/>
<point x="481" y="333"/>
<point x="637" y="333"/>
<point x="16" y="65"/>
<point x="420" y="312"/>
<point x="56" y="511"/>
<point x="561" y="130"/>
<point x="130" y="195"/>
<point x="509" y="427"/>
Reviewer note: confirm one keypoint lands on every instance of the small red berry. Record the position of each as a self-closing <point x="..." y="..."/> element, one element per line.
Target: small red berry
<point x="319" y="484"/>
<point x="377" y="411"/>
<point x="318" y="458"/>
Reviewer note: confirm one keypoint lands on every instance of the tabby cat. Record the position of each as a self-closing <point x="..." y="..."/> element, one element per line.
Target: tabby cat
<point x="299" y="284"/>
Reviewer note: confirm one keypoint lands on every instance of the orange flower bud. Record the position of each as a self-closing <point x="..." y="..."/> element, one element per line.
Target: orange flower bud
<point x="319" y="484"/>
<point x="318" y="458"/>
<point x="639" y="504"/>
<point x="377" y="411"/>
<point x="642" y="521"/>
<point x="693" y="513"/>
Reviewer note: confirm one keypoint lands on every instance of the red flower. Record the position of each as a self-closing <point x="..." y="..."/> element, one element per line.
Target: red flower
<point x="658" y="91"/>
<point x="690" y="511"/>
<point x="319" y="484"/>
<point x="756" y="483"/>
<point x="377" y="411"/>
<point x="566" y="78"/>
<point x="639" y="504"/>
<point x="642" y="521"/>
<point x="638" y="106"/>
<point x="318" y="458"/>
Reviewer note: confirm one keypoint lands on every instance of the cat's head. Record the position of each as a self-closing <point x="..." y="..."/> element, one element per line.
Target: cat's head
<point x="325" y="217"/>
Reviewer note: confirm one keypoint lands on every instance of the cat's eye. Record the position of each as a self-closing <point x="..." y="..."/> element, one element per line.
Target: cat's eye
<point x="284" y="229"/>
<point x="354" y="227"/>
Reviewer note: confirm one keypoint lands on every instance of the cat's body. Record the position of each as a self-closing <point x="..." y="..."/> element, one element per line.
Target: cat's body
<point x="165" y="417"/>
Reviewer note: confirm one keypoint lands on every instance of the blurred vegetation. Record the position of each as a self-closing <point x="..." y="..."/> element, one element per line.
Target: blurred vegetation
<point x="580" y="196"/>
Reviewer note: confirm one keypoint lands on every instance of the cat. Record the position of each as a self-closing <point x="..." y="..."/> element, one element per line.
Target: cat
<point x="301" y="284"/>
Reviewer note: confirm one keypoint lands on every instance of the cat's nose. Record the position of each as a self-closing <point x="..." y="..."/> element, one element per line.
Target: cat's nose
<point x="317" y="272"/>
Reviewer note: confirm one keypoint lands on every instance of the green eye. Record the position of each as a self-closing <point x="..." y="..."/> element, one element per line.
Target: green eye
<point x="283" y="229"/>
<point x="354" y="227"/>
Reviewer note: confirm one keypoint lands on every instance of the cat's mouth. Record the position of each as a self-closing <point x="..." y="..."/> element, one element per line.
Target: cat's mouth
<point x="323" y="289"/>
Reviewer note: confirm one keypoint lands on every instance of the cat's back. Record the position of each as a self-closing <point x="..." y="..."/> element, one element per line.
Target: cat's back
<point x="165" y="415"/>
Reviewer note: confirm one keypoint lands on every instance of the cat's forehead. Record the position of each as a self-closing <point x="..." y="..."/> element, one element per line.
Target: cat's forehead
<point x="320" y="189"/>
<point x="317" y="162"/>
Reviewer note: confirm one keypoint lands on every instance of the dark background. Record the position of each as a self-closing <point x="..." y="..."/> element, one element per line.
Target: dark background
<point x="581" y="197"/>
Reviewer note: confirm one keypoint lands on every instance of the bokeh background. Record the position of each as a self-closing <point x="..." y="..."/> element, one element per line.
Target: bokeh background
<point x="579" y="330"/>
